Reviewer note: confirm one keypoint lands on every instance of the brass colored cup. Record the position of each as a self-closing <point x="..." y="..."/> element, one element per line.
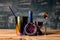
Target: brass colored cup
<point x="18" y="24"/>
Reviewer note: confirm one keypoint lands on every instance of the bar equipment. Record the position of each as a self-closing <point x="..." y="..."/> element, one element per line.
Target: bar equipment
<point x="18" y="21"/>
<point x="30" y="28"/>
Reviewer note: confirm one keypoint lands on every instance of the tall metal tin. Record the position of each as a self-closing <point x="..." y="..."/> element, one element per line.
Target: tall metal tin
<point x="18" y="24"/>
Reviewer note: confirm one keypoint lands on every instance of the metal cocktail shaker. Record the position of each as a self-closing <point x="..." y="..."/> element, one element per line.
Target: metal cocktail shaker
<point x="21" y="21"/>
<point x="18" y="24"/>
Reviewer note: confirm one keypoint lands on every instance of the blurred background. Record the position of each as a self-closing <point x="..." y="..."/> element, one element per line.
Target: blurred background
<point x="21" y="8"/>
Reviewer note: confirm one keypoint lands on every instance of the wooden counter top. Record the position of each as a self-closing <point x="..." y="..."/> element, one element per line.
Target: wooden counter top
<point x="9" y="34"/>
